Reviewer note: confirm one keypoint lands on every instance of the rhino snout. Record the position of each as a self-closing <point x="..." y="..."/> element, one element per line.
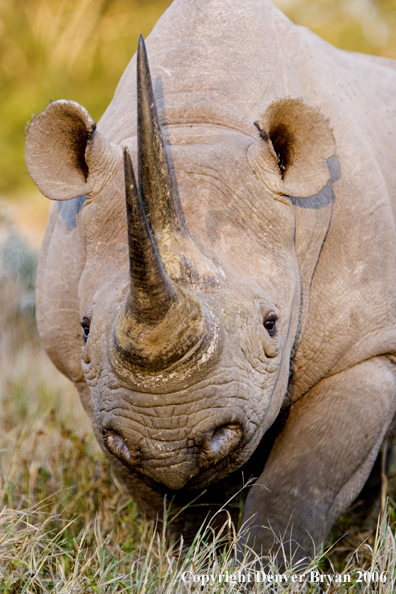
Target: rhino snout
<point x="211" y="444"/>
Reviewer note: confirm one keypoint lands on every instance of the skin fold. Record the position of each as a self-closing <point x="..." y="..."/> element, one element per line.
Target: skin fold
<point x="240" y="322"/>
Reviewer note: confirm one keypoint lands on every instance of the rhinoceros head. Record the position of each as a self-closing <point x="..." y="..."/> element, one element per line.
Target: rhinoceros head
<point x="189" y="315"/>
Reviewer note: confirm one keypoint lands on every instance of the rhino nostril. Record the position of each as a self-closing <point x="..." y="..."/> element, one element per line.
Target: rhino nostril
<point x="224" y="439"/>
<point x="118" y="447"/>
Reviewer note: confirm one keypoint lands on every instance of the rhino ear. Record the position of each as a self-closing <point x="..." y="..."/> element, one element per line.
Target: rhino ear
<point x="65" y="154"/>
<point x="297" y="143"/>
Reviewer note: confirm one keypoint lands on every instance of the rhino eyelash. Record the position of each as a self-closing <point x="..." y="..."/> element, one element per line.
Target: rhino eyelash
<point x="85" y="325"/>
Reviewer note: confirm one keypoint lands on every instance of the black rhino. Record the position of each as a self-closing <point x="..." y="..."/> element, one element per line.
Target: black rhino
<point x="250" y="277"/>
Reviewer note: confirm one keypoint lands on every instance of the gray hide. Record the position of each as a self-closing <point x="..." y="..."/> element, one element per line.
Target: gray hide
<point x="256" y="281"/>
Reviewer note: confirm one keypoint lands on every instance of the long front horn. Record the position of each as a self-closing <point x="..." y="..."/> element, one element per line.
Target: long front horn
<point x="155" y="182"/>
<point x="151" y="293"/>
<point x="183" y="261"/>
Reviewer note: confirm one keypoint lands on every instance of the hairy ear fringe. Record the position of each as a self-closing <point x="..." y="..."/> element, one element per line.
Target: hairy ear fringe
<point x="297" y="143"/>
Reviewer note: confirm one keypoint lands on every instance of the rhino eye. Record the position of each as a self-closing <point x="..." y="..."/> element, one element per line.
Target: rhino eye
<point x="270" y="326"/>
<point x="85" y="324"/>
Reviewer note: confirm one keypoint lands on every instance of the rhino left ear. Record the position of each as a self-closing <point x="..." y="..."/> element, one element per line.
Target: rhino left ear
<point x="65" y="154"/>
<point x="297" y="143"/>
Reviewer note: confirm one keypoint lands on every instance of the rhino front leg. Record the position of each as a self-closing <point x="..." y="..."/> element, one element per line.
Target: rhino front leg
<point x="321" y="459"/>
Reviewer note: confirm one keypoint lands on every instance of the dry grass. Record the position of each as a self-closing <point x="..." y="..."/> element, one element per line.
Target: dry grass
<point x="66" y="525"/>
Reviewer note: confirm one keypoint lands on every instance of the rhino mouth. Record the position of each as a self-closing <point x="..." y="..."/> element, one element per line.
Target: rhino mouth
<point x="214" y="449"/>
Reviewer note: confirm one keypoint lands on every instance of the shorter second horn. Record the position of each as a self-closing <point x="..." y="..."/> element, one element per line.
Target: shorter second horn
<point x="160" y="323"/>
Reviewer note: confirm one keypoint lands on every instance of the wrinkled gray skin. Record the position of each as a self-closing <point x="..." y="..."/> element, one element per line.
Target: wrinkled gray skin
<point x="321" y="262"/>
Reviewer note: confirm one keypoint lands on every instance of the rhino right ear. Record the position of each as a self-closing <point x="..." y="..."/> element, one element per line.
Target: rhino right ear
<point x="292" y="160"/>
<point x="66" y="156"/>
